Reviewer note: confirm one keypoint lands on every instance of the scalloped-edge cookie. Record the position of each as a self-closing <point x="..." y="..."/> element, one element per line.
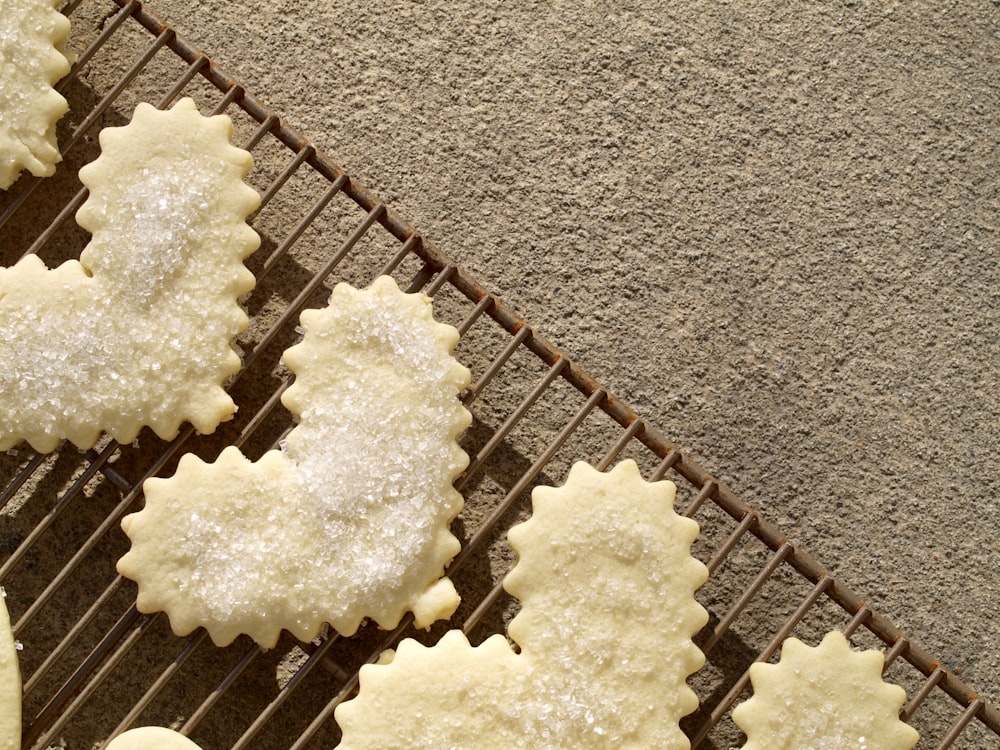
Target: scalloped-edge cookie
<point x="151" y="738"/>
<point x="350" y="520"/>
<point x="606" y="582"/>
<point x="10" y="683"/>
<point x="828" y="696"/>
<point x="32" y="33"/>
<point x="139" y="331"/>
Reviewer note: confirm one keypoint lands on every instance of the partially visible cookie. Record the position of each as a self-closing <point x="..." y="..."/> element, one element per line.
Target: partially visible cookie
<point x="10" y="684"/>
<point x="139" y="331"/>
<point x="828" y="696"/>
<point x="151" y="738"/>
<point x="32" y="33"/>
<point x="606" y="582"/>
<point x="351" y="519"/>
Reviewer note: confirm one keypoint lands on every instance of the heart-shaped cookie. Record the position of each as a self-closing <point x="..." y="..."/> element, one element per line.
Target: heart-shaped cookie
<point x="827" y="696"/>
<point x="32" y="33"/>
<point x="351" y="518"/>
<point x="139" y="331"/>
<point x="606" y="582"/>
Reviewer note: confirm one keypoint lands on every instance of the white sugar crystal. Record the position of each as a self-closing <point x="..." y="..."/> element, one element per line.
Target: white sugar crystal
<point x="603" y="657"/>
<point x="31" y="33"/>
<point x="139" y="330"/>
<point x="349" y="518"/>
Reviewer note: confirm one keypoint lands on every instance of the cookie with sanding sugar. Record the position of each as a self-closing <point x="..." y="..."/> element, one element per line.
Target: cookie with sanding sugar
<point x="151" y="738"/>
<point x="32" y="34"/>
<point x="139" y="331"/>
<point x="828" y="696"/>
<point x="606" y="582"/>
<point x="350" y="518"/>
<point x="10" y="684"/>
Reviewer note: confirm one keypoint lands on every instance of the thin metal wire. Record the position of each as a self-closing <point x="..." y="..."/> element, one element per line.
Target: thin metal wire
<point x="668" y="462"/>
<point x="859" y="619"/>
<point x="304" y="223"/>
<point x="68" y="211"/>
<point x="279" y="182"/>
<point x="484" y="606"/>
<point x="143" y="703"/>
<point x="72" y="5"/>
<point x="109" y="30"/>
<point x="421" y="279"/>
<point x="512" y="346"/>
<point x="111" y="97"/>
<point x="525" y="481"/>
<point x="770" y="650"/>
<point x="43" y="525"/>
<point x="961" y="723"/>
<point x="84" y="127"/>
<point x="707" y="491"/>
<point x="734" y="538"/>
<point x="110" y="521"/>
<point x="898" y="647"/>
<point x="61" y="708"/>
<point x="516" y="416"/>
<point x="17" y="482"/>
<point x="295" y="307"/>
<point x="81" y="61"/>
<point x="487" y="602"/>
<point x="474" y="314"/>
<point x="751" y="590"/>
<point x="439" y="281"/>
<point x="265" y="715"/>
<point x="262" y="414"/>
<point x="349" y="687"/>
<point x="227" y="682"/>
<point x="933" y="680"/>
<point x="408" y="248"/>
<point x="233" y="93"/>
<point x="627" y="436"/>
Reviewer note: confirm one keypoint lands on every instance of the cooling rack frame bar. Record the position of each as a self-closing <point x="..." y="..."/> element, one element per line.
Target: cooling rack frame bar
<point x="438" y="269"/>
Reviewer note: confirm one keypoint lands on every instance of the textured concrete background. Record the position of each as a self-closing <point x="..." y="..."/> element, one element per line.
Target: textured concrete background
<point x="772" y="230"/>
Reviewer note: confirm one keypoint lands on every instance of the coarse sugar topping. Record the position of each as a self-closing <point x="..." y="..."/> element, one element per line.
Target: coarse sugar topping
<point x="139" y="331"/>
<point x="606" y="582"/>
<point x="350" y="518"/>
<point x="32" y="33"/>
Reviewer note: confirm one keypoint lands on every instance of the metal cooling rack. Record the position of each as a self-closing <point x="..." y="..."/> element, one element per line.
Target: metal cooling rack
<point x="94" y="666"/>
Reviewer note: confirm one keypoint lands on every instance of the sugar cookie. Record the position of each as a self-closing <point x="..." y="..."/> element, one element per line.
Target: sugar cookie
<point x="829" y="697"/>
<point x="10" y="684"/>
<point x="351" y="519"/>
<point x="606" y="582"/>
<point x="139" y="331"/>
<point x="151" y="738"/>
<point x="32" y="33"/>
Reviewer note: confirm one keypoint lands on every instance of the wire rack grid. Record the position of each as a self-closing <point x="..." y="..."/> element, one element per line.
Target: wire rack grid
<point x="94" y="665"/>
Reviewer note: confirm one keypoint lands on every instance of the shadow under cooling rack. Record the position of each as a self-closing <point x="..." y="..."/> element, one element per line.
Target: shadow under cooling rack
<point x="93" y="665"/>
